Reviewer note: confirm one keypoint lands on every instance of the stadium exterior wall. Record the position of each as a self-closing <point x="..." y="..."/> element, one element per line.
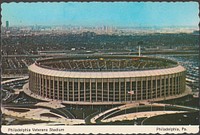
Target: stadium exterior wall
<point x="110" y="87"/>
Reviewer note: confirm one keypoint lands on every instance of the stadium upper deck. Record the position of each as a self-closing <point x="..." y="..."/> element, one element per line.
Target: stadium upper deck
<point x="105" y="63"/>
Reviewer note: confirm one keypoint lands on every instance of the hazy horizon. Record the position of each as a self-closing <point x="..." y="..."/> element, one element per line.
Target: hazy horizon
<point x="92" y="14"/>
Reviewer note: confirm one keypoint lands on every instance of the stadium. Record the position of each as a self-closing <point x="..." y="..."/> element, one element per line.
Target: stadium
<point x="106" y="79"/>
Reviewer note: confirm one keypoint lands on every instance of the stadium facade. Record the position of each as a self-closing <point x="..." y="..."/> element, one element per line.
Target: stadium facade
<point x="106" y="79"/>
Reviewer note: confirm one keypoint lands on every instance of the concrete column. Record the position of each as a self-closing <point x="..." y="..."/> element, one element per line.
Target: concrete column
<point x="120" y="89"/>
<point x="102" y="90"/>
<point x="38" y="84"/>
<point x="46" y="85"/>
<point x="84" y="90"/>
<point x="58" y="88"/>
<point x="31" y="82"/>
<point x="50" y="86"/>
<point x="42" y="86"/>
<point x="172" y="84"/>
<point x="159" y="77"/>
<point x="108" y="88"/>
<point x="67" y="89"/>
<point x="96" y="90"/>
<point x="73" y="88"/>
<point x="182" y="82"/>
<point x="63" y="89"/>
<point x="165" y="86"/>
<point x="53" y="88"/>
<point x="34" y="83"/>
<point x="178" y="83"/>
<point x="151" y="87"/>
<point x="79" y="97"/>
<point x="90" y="91"/>
<point x="141" y="79"/>
<point x="148" y="90"/>
<point x="156" y="87"/>
<point x="136" y="91"/>
<point x="175" y="85"/>
<point x="131" y="88"/>
<point x="125" y="90"/>
<point x="114" y="90"/>
<point x="169" y="85"/>
<point x="160" y="86"/>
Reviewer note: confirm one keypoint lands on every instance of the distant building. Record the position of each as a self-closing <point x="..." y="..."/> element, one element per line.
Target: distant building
<point x="7" y="24"/>
<point x="73" y="49"/>
<point x="196" y="32"/>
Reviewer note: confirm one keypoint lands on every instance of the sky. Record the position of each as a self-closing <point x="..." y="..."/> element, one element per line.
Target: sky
<point x="128" y="14"/>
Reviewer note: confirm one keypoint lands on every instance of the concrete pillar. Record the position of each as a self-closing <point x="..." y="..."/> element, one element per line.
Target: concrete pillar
<point x="79" y="97"/>
<point x="160" y="86"/>
<point x="42" y="86"/>
<point x="156" y="87"/>
<point x="90" y="91"/>
<point x="169" y="85"/>
<point x="96" y="89"/>
<point x="136" y="91"/>
<point x="73" y="88"/>
<point x="175" y="84"/>
<point x="172" y="84"/>
<point x="125" y="90"/>
<point x="141" y="79"/>
<point x="108" y="89"/>
<point x="67" y="89"/>
<point x="151" y="87"/>
<point x="178" y="83"/>
<point x="102" y="90"/>
<point x="114" y="90"/>
<point x="63" y="89"/>
<point x="148" y="90"/>
<point x="84" y="90"/>
<point x="164" y="86"/>
<point x="53" y="88"/>
<point x="46" y="85"/>
<point x="58" y="88"/>
<point x="120" y="89"/>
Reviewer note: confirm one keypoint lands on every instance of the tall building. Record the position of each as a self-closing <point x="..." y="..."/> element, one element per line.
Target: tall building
<point x="7" y="24"/>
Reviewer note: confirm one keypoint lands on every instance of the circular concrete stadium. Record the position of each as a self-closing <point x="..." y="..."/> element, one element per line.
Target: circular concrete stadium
<point x="106" y="79"/>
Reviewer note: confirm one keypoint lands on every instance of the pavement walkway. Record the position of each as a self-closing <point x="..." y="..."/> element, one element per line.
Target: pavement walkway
<point x="132" y="116"/>
<point x="34" y="114"/>
<point x="52" y="104"/>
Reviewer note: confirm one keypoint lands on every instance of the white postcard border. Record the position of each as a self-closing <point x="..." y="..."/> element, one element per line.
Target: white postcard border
<point x="108" y="129"/>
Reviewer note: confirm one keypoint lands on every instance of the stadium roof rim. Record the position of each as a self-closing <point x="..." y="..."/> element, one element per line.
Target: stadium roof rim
<point x="113" y="74"/>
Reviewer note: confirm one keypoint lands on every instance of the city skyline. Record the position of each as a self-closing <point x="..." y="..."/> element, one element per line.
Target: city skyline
<point x="118" y="14"/>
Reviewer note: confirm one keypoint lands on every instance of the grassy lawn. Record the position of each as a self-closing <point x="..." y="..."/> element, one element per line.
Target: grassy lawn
<point x="174" y="119"/>
<point x="185" y="101"/>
